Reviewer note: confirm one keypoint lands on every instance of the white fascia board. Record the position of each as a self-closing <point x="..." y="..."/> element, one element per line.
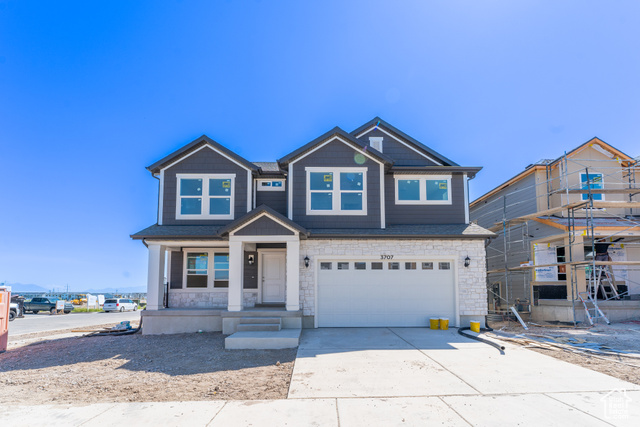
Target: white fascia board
<point x="189" y="243"/>
<point x="465" y="182"/>
<point x="267" y="214"/>
<point x="401" y="142"/>
<point x="161" y="198"/>
<point x="338" y="138"/>
<point x="263" y="239"/>
<point x="249" y="188"/>
<point x="207" y="146"/>
<point x="383" y="219"/>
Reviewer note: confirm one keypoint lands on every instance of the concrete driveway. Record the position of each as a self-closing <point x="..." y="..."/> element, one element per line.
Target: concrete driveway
<point x="415" y="371"/>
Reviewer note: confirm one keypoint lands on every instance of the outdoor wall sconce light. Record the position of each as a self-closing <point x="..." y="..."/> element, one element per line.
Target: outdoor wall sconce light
<point x="467" y="261"/>
<point x="251" y="260"/>
<point x="306" y="261"/>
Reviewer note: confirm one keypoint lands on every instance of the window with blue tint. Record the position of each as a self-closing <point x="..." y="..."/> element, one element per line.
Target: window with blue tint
<point x="220" y="206"/>
<point x="351" y="201"/>
<point x="191" y="206"/>
<point x="191" y="187"/>
<point x="408" y="189"/>
<point x="219" y="187"/>
<point x="593" y="181"/>
<point x="321" y="181"/>
<point x="277" y="183"/>
<point x="321" y="201"/>
<point x="221" y="270"/>
<point x="437" y="189"/>
<point x="350" y="181"/>
<point x="197" y="270"/>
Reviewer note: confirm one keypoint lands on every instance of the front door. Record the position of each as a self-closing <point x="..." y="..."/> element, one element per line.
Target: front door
<point x="273" y="276"/>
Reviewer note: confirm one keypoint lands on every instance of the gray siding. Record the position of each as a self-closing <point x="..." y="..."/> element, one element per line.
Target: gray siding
<point x="521" y="200"/>
<point x="264" y="226"/>
<point x="400" y="153"/>
<point x="175" y="280"/>
<point x="425" y="214"/>
<point x="336" y="154"/>
<point x="204" y="161"/>
<point x="276" y="200"/>
<point x="250" y="271"/>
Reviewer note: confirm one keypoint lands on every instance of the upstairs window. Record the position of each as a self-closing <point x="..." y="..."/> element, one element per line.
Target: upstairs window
<point x="205" y="196"/>
<point x="593" y="181"/>
<point x="270" y="185"/>
<point x="423" y="189"/>
<point x="336" y="191"/>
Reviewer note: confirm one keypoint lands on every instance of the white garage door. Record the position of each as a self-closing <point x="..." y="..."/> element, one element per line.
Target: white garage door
<point x="390" y="293"/>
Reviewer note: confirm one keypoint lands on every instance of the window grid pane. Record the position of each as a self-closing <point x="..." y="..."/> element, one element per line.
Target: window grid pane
<point x="408" y="189"/>
<point x="191" y="187"/>
<point x="220" y="206"/>
<point x="444" y="266"/>
<point x="437" y="189"/>
<point x="190" y="206"/>
<point x="321" y="201"/>
<point x="343" y="266"/>
<point x="359" y="265"/>
<point x="376" y="266"/>
<point x="321" y="181"/>
<point x="220" y="187"/>
<point x="351" y="201"/>
<point x="351" y="181"/>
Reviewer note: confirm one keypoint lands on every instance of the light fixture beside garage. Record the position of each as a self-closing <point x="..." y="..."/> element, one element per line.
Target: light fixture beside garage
<point x="251" y="260"/>
<point x="306" y="262"/>
<point x="467" y="261"/>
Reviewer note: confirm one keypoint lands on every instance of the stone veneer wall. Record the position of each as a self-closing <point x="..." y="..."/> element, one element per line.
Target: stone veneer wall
<point x="472" y="290"/>
<point x="180" y="299"/>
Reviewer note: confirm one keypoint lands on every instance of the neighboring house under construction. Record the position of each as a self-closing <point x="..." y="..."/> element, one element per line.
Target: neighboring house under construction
<point x="569" y="237"/>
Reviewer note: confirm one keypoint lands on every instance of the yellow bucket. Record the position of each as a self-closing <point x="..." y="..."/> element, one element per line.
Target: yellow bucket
<point x="475" y="326"/>
<point x="444" y="323"/>
<point x="434" y="323"/>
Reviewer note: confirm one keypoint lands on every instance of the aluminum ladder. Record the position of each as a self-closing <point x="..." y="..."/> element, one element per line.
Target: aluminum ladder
<point x="605" y="281"/>
<point x="586" y="299"/>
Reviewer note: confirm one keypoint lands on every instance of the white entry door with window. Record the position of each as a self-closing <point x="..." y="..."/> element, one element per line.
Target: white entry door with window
<point x="359" y="293"/>
<point x="273" y="269"/>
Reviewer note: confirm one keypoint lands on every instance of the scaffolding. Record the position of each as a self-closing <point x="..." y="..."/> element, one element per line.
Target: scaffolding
<point x="589" y="204"/>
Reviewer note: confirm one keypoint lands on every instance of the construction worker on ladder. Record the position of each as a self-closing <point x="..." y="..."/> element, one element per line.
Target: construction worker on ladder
<point x="602" y="254"/>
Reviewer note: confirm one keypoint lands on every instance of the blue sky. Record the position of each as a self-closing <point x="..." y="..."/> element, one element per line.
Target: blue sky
<point x="92" y="92"/>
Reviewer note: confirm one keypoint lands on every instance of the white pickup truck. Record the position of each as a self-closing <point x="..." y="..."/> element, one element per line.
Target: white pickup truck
<point x="13" y="311"/>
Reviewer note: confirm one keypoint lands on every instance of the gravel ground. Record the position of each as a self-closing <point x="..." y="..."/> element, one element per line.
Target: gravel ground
<point x="620" y="336"/>
<point x="138" y="367"/>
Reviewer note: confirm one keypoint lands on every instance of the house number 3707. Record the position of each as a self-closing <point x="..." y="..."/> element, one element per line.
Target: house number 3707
<point x="386" y="256"/>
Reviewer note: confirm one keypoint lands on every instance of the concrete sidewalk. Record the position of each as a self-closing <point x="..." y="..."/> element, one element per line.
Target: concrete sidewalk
<point x="536" y="409"/>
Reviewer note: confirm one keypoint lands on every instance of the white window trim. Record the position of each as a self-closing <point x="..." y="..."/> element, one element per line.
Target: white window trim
<point x="259" y="186"/>
<point x="585" y="196"/>
<point x="205" y="195"/>
<point x="336" y="191"/>
<point x="422" y="189"/>
<point x="210" y="269"/>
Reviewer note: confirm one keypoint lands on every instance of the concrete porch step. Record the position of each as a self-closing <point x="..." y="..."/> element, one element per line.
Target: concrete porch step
<point x="246" y="327"/>
<point x="263" y="340"/>
<point x="260" y="320"/>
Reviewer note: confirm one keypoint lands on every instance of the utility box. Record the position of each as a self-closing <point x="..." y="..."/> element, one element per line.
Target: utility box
<point x="5" y="302"/>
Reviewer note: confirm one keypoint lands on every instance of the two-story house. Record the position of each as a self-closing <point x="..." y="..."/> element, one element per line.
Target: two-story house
<point x="367" y="228"/>
<point x="552" y="219"/>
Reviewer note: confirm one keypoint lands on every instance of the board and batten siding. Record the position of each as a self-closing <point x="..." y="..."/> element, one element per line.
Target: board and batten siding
<point x="205" y="161"/>
<point x="175" y="261"/>
<point x="335" y="154"/>
<point x="400" y="153"/>
<point x="264" y="226"/>
<point x="425" y="214"/>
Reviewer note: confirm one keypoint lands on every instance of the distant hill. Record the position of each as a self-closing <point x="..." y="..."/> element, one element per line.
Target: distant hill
<point x="17" y="288"/>
<point x="21" y="287"/>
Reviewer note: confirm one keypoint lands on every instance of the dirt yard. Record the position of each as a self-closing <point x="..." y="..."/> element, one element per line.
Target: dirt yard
<point x="624" y="336"/>
<point x="140" y="368"/>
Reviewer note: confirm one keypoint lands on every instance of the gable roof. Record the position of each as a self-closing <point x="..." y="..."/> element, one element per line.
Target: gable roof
<point x="543" y="164"/>
<point x="194" y="145"/>
<point x="262" y="210"/>
<point x="345" y="137"/>
<point x="377" y="122"/>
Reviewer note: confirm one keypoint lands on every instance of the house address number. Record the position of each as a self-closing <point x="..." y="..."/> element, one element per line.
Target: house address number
<point x="386" y="256"/>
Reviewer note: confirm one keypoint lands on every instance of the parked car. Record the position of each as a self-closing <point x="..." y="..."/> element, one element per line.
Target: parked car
<point x="13" y="311"/>
<point x="45" y="304"/>
<point x="119" y="304"/>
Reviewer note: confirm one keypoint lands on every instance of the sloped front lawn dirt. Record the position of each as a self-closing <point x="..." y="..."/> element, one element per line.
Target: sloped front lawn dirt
<point x="141" y="368"/>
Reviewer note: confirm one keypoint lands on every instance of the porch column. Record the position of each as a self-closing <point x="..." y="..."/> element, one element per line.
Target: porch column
<point x="155" y="277"/>
<point x="293" y="275"/>
<point x="236" y="255"/>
